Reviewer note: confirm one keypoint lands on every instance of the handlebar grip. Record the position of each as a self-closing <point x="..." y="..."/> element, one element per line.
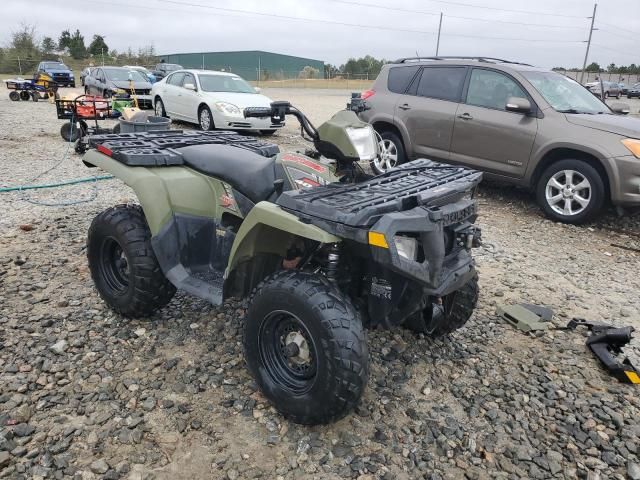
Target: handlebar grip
<point x="257" y="112"/>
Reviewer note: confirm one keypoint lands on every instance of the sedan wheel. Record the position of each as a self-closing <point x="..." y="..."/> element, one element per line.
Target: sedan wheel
<point x="159" y="109"/>
<point x="206" y="121"/>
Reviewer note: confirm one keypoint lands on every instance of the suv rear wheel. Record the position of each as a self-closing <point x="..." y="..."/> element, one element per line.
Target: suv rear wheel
<point x="570" y="191"/>
<point x="392" y="152"/>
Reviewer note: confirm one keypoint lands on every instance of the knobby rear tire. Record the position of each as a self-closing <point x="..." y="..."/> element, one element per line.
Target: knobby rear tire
<point x="143" y="288"/>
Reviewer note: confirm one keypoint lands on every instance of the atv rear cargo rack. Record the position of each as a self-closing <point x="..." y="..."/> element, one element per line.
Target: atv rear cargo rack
<point x="418" y="183"/>
<point x="155" y="149"/>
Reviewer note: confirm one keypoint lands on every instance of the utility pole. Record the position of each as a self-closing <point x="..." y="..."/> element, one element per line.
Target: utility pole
<point x="102" y="53"/>
<point x="259" y="67"/>
<point x="591" y="29"/>
<point x="19" y="65"/>
<point x="439" y="29"/>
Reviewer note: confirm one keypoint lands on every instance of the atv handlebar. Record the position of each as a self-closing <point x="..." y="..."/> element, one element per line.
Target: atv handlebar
<point x="277" y="111"/>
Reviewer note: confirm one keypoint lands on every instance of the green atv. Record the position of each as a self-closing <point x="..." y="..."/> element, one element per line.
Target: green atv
<point x="320" y="249"/>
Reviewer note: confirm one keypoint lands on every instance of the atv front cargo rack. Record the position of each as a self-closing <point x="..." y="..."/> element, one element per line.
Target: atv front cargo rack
<point x="418" y="183"/>
<point x="155" y="149"/>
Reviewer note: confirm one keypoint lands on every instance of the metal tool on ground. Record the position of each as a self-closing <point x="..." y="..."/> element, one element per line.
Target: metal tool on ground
<point x="526" y="317"/>
<point x="606" y="342"/>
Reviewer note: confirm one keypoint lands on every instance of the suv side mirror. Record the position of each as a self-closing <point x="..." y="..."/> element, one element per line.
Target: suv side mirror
<point x="518" y="105"/>
<point x="620" y="108"/>
<point x="257" y="89"/>
<point x="190" y="86"/>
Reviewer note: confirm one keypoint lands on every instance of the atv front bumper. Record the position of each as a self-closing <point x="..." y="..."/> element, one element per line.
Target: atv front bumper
<point x="442" y="261"/>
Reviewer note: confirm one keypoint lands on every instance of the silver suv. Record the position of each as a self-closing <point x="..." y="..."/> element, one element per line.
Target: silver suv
<point x="518" y="123"/>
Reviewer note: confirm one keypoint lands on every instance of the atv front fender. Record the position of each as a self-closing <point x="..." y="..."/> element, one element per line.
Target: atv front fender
<point x="270" y="229"/>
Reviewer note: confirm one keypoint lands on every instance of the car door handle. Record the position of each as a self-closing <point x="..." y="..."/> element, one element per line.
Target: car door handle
<point x="465" y="116"/>
<point x="405" y="106"/>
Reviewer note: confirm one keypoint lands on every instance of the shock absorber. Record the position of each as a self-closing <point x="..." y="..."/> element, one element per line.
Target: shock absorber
<point x="333" y="260"/>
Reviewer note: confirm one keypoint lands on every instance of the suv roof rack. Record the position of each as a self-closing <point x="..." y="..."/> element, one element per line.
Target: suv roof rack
<point x="479" y="59"/>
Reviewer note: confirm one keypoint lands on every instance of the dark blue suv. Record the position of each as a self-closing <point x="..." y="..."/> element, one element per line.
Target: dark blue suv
<point x="60" y="73"/>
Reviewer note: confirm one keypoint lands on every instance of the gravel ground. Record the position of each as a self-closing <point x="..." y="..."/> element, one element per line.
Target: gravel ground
<point x="86" y="394"/>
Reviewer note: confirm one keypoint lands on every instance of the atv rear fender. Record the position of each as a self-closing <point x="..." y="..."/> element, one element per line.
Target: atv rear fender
<point x="163" y="191"/>
<point x="267" y="231"/>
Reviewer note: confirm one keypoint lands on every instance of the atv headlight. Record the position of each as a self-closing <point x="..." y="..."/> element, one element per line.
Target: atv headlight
<point x="364" y="141"/>
<point x="228" y="109"/>
<point x="407" y="247"/>
<point x="632" y="145"/>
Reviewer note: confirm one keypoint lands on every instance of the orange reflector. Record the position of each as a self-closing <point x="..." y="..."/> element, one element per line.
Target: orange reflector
<point x="377" y="239"/>
<point x="633" y="377"/>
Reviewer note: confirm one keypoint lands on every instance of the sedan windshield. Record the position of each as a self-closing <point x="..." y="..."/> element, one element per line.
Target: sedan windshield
<point x="224" y="83"/>
<point x="564" y="94"/>
<point x="170" y="67"/>
<point x="123" y="75"/>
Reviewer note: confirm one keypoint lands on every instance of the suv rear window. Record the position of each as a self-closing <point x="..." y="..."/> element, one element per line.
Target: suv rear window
<point x="444" y="83"/>
<point x="400" y="77"/>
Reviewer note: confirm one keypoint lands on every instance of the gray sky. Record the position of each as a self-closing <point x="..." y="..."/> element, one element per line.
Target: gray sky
<point x="173" y="28"/>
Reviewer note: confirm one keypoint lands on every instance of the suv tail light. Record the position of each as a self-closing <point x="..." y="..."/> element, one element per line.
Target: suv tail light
<point x="367" y="94"/>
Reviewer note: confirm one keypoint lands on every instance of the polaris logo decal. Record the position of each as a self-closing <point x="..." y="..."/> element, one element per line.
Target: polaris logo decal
<point x="458" y="216"/>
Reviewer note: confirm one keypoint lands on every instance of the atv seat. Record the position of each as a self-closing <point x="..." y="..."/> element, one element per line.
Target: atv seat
<point x="249" y="173"/>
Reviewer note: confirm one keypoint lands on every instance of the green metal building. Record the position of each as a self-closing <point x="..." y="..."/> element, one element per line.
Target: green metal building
<point x="252" y="65"/>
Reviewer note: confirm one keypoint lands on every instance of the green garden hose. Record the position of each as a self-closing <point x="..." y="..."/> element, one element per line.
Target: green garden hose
<point x="54" y="185"/>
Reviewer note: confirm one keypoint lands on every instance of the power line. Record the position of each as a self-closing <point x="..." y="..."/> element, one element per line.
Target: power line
<point x="528" y="12"/>
<point x="620" y="28"/>
<point x="332" y="22"/>
<point x="624" y="54"/>
<point x="626" y="37"/>
<point x="514" y="23"/>
<point x="423" y="12"/>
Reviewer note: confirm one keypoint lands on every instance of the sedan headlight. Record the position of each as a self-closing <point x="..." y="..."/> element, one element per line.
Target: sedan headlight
<point x="633" y="145"/>
<point x="407" y="247"/>
<point x="228" y="109"/>
<point x="364" y="141"/>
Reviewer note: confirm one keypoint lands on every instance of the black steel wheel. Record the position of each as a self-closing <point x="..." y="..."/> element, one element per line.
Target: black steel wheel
<point x="123" y="265"/>
<point x="24" y="95"/>
<point x="113" y="265"/>
<point x="14" y="96"/>
<point x="305" y="346"/>
<point x="450" y="314"/>
<point x="286" y="349"/>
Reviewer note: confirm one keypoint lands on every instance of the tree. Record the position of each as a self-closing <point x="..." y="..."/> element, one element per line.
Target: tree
<point x="611" y="68"/>
<point x="593" y="67"/>
<point x="363" y="66"/>
<point x="77" y="48"/>
<point x="330" y="71"/>
<point x="24" y="40"/>
<point x="98" y="46"/>
<point x="64" y="42"/>
<point x="309" y="72"/>
<point x="47" y="45"/>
